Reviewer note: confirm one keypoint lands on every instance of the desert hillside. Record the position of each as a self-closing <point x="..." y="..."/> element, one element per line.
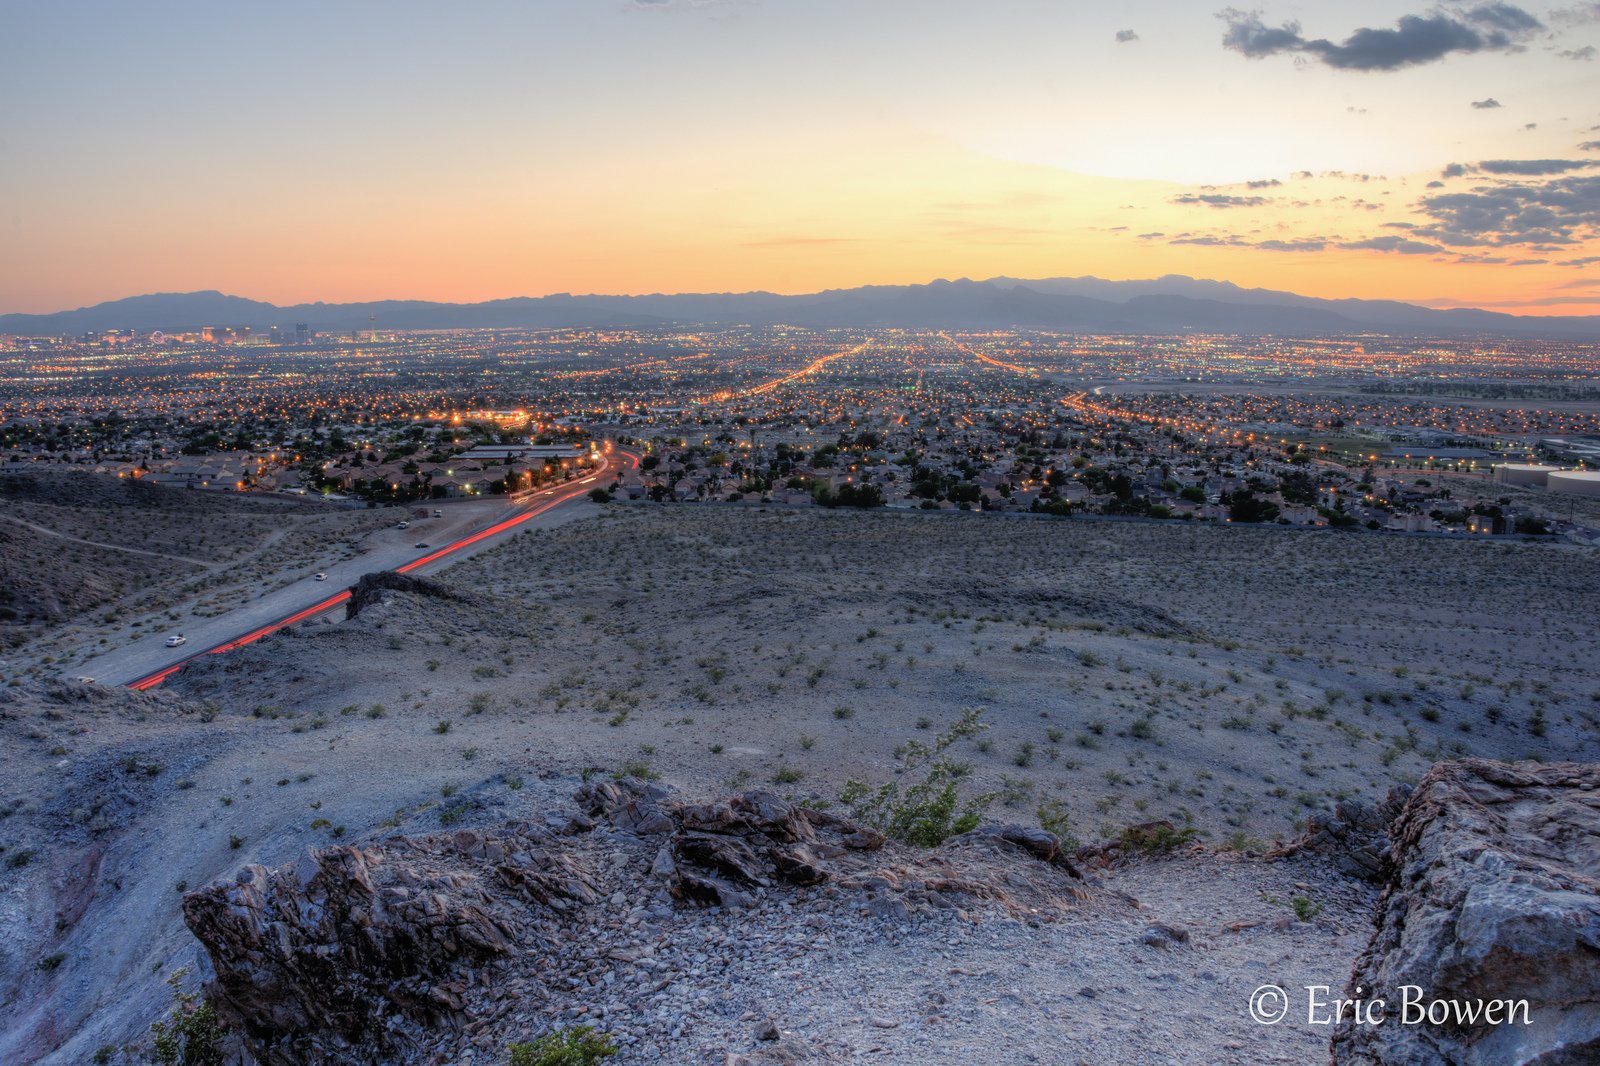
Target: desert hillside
<point x="1226" y="682"/>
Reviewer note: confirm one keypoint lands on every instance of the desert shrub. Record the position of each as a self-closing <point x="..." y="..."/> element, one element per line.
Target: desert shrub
<point x="579" y="1045"/>
<point x="1155" y="839"/>
<point x="191" y="1035"/>
<point x="922" y="804"/>
<point x="1053" y="818"/>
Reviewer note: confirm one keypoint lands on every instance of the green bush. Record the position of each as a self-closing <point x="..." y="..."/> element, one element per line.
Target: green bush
<point x="931" y="809"/>
<point x="1155" y="838"/>
<point x="1305" y="908"/>
<point x="1053" y="818"/>
<point x="191" y="1035"/>
<point x="575" y="1046"/>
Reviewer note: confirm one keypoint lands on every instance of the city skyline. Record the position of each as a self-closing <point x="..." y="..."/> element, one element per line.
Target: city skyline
<point x="1384" y="150"/>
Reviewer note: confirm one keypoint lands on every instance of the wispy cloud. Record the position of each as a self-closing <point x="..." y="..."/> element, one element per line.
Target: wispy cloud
<point x="1213" y="199"/>
<point x="1390" y="242"/>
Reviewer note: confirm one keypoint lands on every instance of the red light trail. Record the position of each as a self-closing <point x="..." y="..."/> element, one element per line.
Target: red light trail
<point x="150" y="681"/>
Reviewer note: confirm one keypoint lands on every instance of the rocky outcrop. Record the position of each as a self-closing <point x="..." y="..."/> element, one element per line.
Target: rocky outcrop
<point x="1354" y="836"/>
<point x="317" y="960"/>
<point x="401" y="951"/>
<point x="1494" y="897"/>
<point x="716" y="854"/>
<point x="374" y="588"/>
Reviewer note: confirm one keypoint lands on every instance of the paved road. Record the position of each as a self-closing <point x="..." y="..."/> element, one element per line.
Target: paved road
<point x="144" y="667"/>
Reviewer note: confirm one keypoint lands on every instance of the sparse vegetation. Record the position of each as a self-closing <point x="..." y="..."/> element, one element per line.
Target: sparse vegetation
<point x="931" y="808"/>
<point x="191" y="1034"/>
<point x="578" y="1045"/>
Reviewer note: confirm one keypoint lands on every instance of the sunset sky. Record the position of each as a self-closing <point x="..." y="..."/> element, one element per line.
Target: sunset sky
<point x="1445" y="154"/>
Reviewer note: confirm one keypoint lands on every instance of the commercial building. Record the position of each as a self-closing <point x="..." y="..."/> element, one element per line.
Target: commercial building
<point x="1576" y="482"/>
<point x="1531" y="475"/>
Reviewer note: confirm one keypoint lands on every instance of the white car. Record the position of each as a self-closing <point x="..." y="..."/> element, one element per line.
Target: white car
<point x="177" y="640"/>
<point x="403" y="525"/>
<point x="321" y="576"/>
<point x="85" y="680"/>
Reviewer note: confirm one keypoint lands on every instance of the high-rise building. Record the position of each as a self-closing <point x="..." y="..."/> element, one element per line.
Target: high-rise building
<point x="302" y="333"/>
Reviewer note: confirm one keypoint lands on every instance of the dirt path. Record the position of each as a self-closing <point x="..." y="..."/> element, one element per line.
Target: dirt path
<point x="47" y="531"/>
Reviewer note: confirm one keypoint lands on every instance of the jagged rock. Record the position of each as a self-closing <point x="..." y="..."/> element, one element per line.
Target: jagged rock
<point x="400" y="951"/>
<point x="630" y="803"/>
<point x="799" y="865"/>
<point x="371" y="589"/>
<point x="1494" y="895"/>
<point x="728" y="855"/>
<point x="719" y="851"/>
<point x="709" y="890"/>
<point x="315" y="960"/>
<point x="1354" y="835"/>
<point x="1040" y="843"/>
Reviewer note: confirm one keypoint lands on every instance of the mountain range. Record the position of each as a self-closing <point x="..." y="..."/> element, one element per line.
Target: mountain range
<point x="1167" y="305"/>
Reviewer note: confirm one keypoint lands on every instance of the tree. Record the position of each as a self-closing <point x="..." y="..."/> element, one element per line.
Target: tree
<point x="1243" y="506"/>
<point x="850" y="495"/>
<point x="965" y="492"/>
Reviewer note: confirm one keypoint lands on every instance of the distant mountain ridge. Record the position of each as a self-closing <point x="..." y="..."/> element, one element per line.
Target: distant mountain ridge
<point x="1167" y="305"/>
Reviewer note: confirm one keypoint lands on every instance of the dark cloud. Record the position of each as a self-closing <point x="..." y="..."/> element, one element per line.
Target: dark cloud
<point x="1534" y="167"/>
<point x="1235" y="240"/>
<point x="1589" y="146"/>
<point x="1124" y="36"/>
<point x="1214" y="199"/>
<point x="1454" y="170"/>
<point x="1251" y="37"/>
<point x="1585" y="54"/>
<point x="1307" y="245"/>
<point x="1213" y="242"/>
<point x="1503" y="18"/>
<point x="1435" y="185"/>
<point x="1263" y="183"/>
<point x="1488" y="104"/>
<point x="1415" y="39"/>
<point x="1564" y="210"/>
<point x="1393" y="243"/>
